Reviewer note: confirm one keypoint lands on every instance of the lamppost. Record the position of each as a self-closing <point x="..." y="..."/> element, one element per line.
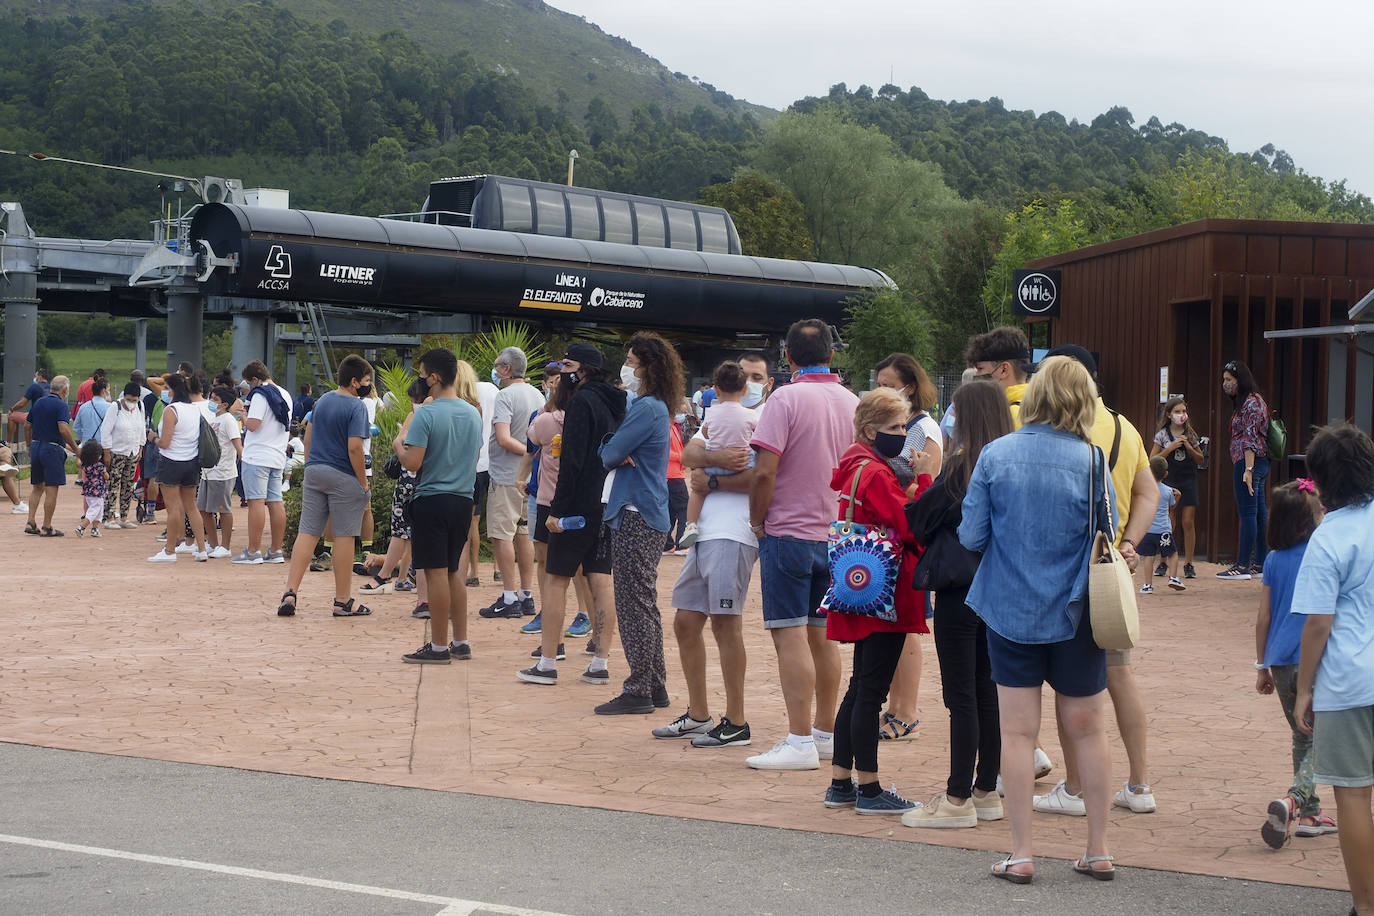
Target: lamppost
<point x="572" y="158"/>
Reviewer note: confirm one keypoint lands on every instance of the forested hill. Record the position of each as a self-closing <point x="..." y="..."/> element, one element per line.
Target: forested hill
<point x="561" y="58"/>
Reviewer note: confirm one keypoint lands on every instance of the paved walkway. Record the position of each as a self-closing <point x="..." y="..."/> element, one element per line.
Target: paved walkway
<point x="104" y="652"/>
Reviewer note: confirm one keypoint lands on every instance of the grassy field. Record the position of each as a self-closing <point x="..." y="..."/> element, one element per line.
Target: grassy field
<point x="77" y="363"/>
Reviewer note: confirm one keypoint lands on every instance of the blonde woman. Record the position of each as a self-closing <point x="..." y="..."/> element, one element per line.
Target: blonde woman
<point x="1032" y="507"/>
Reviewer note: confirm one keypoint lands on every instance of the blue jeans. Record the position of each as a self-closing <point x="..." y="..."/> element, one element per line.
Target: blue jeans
<point x="795" y="575"/>
<point x="1254" y="514"/>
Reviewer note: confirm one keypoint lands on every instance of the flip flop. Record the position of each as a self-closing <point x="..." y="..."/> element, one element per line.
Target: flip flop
<point x="51" y="533"/>
<point x="1084" y="866"/>
<point x="350" y="609"/>
<point x="1003" y="870"/>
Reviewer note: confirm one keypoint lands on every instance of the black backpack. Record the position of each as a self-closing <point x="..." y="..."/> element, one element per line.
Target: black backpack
<point x="209" y="445"/>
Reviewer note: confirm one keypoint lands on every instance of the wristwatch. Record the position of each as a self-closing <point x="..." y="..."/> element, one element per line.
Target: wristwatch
<point x="712" y="483"/>
<point x="1261" y="666"/>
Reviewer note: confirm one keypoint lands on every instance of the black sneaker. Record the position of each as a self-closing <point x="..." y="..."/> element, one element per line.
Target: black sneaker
<point x="428" y="655"/>
<point x="660" y="697"/>
<point x="590" y="648"/>
<point x="1235" y="572"/>
<point x="533" y="675"/>
<point x="527" y="606"/>
<point x="596" y="677"/>
<point x="1161" y="569"/>
<point x="539" y="651"/>
<point x="1188" y="571"/>
<point x="627" y="704"/>
<point x="462" y="653"/>
<point x="499" y="609"/>
<point x="421" y="611"/>
<point x="725" y="734"/>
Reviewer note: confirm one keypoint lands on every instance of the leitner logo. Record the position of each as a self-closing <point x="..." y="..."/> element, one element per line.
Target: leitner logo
<point x="278" y="263"/>
<point x="343" y="273"/>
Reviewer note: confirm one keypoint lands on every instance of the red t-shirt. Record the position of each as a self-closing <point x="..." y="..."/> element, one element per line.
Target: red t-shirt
<point x="674" y="452"/>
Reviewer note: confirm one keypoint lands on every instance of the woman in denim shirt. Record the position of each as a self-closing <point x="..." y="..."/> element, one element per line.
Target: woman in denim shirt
<point x="637" y="514"/>
<point x="1030" y="509"/>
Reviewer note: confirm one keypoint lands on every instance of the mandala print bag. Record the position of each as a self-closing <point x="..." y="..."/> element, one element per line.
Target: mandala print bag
<point x="863" y="565"/>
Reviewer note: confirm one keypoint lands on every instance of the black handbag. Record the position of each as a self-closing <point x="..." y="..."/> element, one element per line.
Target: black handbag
<point x="946" y="564"/>
<point x="392" y="468"/>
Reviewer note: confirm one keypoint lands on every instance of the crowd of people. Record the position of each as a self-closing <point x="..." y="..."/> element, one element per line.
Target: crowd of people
<point x="991" y="509"/>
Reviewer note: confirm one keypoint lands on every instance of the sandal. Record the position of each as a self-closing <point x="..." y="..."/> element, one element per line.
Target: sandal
<point x="30" y="527"/>
<point x="380" y="585"/>
<point x="1003" y="870"/>
<point x="287" y="608"/>
<point x="50" y="533"/>
<point x="1084" y="866"/>
<point x="369" y="560"/>
<point x="1321" y="825"/>
<point x="349" y="609"/>
<point x="894" y="729"/>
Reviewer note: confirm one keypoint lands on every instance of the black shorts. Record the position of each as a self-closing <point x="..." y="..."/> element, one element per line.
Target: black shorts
<point x="1156" y="544"/>
<point x="178" y="473"/>
<point x="439" y="526"/>
<point x="1075" y="667"/>
<point x="1187" y="490"/>
<point x="479" y="490"/>
<point x="540" y="532"/>
<point x="47" y="465"/>
<point x="582" y="549"/>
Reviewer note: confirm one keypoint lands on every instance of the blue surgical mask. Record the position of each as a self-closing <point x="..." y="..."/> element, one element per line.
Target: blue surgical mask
<point x="495" y="379"/>
<point x="753" y="394"/>
<point x="166" y="396"/>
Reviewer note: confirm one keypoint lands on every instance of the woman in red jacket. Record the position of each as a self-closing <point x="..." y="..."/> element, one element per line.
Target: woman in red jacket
<point x="879" y="433"/>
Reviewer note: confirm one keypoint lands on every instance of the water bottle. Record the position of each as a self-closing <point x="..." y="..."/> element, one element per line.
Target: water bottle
<point x="572" y="522"/>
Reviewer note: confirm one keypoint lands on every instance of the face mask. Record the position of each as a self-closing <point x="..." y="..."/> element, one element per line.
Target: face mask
<point x="889" y="445"/>
<point x="495" y="379"/>
<point x="753" y="394"/>
<point x="628" y="378"/>
<point x="131" y="404"/>
<point x="1181" y="419"/>
<point x="570" y="378"/>
<point x="679" y="417"/>
<point x="365" y="391"/>
<point x="166" y="396"/>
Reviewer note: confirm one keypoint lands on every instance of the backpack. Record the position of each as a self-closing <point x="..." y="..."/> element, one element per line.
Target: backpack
<point x="1277" y="441"/>
<point x="208" y="444"/>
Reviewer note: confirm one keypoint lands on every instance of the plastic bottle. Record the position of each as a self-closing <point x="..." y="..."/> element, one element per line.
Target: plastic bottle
<point x="572" y="522"/>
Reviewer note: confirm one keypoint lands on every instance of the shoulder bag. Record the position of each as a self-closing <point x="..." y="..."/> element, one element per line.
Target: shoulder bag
<point x="863" y="561"/>
<point x="208" y="443"/>
<point x="1111" y="590"/>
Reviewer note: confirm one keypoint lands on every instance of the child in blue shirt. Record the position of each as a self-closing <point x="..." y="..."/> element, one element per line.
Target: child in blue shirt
<point x="1160" y="538"/>
<point x="1294" y="514"/>
<point x="1335" y="589"/>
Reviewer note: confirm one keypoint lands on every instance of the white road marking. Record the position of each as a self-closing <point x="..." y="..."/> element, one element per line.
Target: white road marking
<point x="452" y="906"/>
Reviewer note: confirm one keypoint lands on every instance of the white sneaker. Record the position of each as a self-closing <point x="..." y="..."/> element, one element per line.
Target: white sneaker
<point x="1059" y="801"/>
<point x="1141" y="801"/>
<point x="125" y="523"/>
<point x="825" y="748"/>
<point x="111" y="525"/>
<point x="200" y="555"/>
<point x="184" y="547"/>
<point x="784" y="756"/>
<point x="20" y="508"/>
<point x="163" y="556"/>
<point x="220" y="552"/>
<point x="1043" y="766"/>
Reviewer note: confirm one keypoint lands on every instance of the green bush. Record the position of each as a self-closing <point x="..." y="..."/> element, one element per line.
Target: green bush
<point x="382" y="489"/>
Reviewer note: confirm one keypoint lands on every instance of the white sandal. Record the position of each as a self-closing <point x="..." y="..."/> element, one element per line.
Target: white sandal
<point x="1003" y="870"/>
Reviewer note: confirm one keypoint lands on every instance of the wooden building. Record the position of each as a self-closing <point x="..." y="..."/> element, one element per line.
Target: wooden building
<point x="1165" y="311"/>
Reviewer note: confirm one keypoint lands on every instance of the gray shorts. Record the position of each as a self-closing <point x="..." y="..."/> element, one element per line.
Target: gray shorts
<point x="328" y="495"/>
<point x="1343" y="741"/>
<point x="715" y="578"/>
<point x="215" y="496"/>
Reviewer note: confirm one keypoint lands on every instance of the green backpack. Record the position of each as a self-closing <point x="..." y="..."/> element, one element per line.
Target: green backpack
<point x="1278" y="442"/>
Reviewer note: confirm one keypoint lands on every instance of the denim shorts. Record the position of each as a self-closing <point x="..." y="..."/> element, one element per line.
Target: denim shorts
<point x="261" y="482"/>
<point x="1075" y="667"/>
<point x="795" y="575"/>
<point x="47" y="465"/>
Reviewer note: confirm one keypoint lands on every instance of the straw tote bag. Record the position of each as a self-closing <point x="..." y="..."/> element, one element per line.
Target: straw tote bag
<point x="1111" y="589"/>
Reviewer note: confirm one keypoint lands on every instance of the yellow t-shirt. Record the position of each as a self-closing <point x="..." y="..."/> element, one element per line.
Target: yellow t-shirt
<point x="1132" y="458"/>
<point x="1014" y="395"/>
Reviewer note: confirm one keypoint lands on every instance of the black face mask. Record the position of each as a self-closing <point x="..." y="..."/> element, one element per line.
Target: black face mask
<point x="889" y="445"/>
<point x="570" y="378"/>
<point x="365" y="391"/>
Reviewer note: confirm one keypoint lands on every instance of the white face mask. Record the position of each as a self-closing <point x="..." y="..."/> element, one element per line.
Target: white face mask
<point x="753" y="394"/>
<point x="628" y="378"/>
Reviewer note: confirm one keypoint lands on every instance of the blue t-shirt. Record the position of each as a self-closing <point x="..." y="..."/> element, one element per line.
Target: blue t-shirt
<point x="1285" y="628"/>
<point x="708" y="397"/>
<point x="450" y="432"/>
<point x="44" y="416"/>
<point x="1161" y="524"/>
<point x="337" y="418"/>
<point x="1337" y="577"/>
<point x="35" y="391"/>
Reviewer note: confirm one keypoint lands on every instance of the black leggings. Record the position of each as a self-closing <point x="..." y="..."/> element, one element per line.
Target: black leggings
<point x="975" y="733"/>
<point x="856" y="722"/>
<point x="677" y="510"/>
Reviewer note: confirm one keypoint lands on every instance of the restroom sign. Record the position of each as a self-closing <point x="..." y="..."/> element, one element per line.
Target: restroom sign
<point x="1036" y="293"/>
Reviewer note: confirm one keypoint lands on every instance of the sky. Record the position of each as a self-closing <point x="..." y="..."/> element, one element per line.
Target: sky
<point x="1257" y="72"/>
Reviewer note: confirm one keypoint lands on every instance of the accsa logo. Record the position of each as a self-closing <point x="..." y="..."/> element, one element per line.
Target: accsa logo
<point x="279" y="263"/>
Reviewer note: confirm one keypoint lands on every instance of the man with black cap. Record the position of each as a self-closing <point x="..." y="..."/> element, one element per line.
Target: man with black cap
<point x="595" y="410"/>
<point x="1136" y="498"/>
<point x="1002" y="355"/>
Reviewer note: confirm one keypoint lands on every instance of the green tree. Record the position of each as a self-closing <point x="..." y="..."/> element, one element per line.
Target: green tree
<point x="1036" y="230"/>
<point x="770" y="219"/>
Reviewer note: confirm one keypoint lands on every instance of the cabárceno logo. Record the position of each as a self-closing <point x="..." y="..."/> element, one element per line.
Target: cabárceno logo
<point x="615" y="299"/>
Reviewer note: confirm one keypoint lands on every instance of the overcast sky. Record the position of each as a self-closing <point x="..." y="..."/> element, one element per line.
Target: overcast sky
<point x="1291" y="74"/>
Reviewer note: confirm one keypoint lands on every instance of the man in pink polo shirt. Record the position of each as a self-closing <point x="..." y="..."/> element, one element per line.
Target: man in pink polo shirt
<point x="799" y="441"/>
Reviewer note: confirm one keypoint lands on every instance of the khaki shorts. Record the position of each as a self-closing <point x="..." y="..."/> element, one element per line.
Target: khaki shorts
<point x="715" y="578"/>
<point x="507" y="512"/>
<point x="1343" y="741"/>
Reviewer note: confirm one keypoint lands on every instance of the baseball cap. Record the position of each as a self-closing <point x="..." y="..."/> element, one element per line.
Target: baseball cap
<point x="585" y="353"/>
<point x="1075" y="352"/>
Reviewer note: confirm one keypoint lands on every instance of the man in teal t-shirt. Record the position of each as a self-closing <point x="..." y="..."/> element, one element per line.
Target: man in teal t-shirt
<point x="440" y="442"/>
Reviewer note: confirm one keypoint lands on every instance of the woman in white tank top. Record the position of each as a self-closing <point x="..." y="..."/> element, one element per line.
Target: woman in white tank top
<point x="178" y="470"/>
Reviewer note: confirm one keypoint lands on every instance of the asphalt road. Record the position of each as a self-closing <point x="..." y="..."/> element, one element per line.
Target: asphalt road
<point x="89" y="833"/>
